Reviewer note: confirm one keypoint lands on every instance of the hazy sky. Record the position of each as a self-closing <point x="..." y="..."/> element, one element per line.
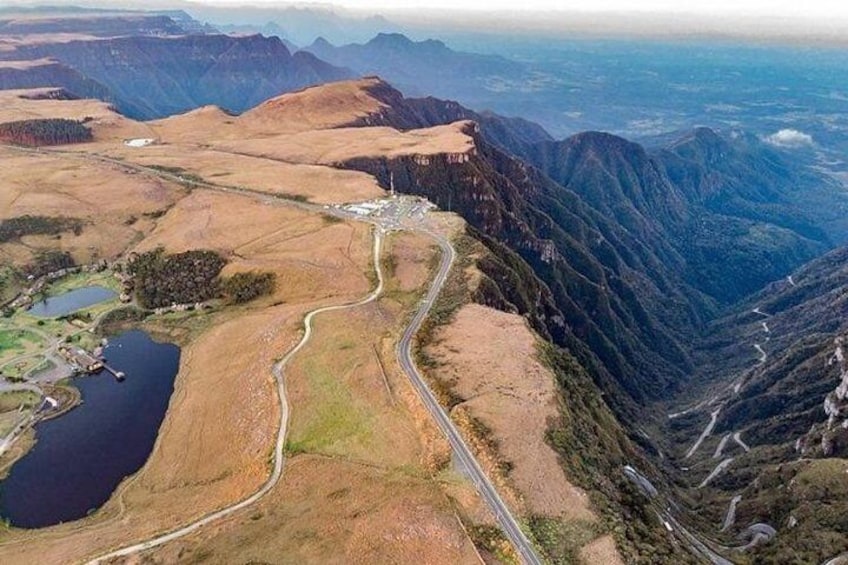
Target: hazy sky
<point x="798" y="8"/>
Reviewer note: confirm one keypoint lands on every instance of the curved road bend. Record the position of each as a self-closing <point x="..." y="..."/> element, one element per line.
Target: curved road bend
<point x="484" y="486"/>
<point x="279" y="456"/>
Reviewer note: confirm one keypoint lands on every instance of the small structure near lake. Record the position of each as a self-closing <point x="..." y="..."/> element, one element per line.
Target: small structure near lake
<point x="81" y="360"/>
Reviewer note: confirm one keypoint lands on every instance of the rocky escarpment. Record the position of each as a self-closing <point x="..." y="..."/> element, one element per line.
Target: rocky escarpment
<point x="514" y="135"/>
<point x="149" y="77"/>
<point x="723" y="211"/>
<point x="615" y="303"/>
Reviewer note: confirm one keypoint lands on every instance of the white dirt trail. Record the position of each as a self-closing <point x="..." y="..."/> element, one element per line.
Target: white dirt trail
<point x="279" y="456"/>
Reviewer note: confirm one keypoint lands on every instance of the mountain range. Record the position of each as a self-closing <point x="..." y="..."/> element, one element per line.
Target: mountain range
<point x="701" y="267"/>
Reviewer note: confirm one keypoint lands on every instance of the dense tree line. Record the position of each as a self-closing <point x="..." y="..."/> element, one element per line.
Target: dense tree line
<point x="53" y="131"/>
<point x="182" y="278"/>
<point x="16" y="228"/>
<point x="190" y="277"/>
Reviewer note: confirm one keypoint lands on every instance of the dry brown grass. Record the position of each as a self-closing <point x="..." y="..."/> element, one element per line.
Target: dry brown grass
<point x="103" y="195"/>
<point x="411" y="254"/>
<point x="313" y="259"/>
<point x="601" y="551"/>
<point x="335" y="511"/>
<point x="490" y="359"/>
<point x="490" y="356"/>
<point x="319" y="184"/>
<point x="197" y="126"/>
<point x="337" y="145"/>
<point x="358" y="485"/>
<point x="327" y="106"/>
<point x="361" y="484"/>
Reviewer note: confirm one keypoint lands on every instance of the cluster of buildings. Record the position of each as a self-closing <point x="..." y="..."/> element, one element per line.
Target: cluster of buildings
<point x="81" y="360"/>
<point x="25" y="298"/>
<point x="366" y="208"/>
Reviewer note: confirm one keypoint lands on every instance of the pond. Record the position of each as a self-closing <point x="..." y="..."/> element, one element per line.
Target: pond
<point x="71" y="301"/>
<point x="81" y="457"/>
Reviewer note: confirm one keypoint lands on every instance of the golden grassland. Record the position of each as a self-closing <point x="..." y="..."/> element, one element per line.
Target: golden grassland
<point x="213" y="446"/>
<point x="362" y="482"/>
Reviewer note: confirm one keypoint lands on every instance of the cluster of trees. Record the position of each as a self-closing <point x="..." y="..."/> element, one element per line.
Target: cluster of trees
<point x="49" y="261"/>
<point x="182" y="278"/>
<point x="16" y="228"/>
<point x="52" y="131"/>
<point x="244" y="287"/>
<point x="193" y="276"/>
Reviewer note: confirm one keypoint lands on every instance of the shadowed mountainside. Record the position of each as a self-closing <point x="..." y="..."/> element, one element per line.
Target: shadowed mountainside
<point x="151" y="77"/>
<point x="728" y="204"/>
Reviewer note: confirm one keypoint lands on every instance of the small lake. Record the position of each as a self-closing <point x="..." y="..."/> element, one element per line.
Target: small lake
<point x="71" y="301"/>
<point x="81" y="457"/>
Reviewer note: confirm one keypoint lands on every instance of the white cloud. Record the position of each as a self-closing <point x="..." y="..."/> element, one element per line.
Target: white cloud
<point x="789" y="138"/>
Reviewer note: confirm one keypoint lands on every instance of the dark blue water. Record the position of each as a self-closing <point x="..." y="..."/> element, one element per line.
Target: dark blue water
<point x="81" y="457"/>
<point x="71" y="301"/>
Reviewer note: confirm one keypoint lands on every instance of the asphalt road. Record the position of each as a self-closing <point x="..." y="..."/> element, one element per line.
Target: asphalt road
<point x="484" y="486"/>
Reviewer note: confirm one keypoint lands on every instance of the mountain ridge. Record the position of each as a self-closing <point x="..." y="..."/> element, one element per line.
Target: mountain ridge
<point x="149" y="77"/>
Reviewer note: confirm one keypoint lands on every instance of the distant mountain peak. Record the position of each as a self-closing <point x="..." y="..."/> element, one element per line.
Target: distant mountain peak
<point x="390" y="40"/>
<point x="398" y="41"/>
<point x="320" y="43"/>
<point x="605" y="145"/>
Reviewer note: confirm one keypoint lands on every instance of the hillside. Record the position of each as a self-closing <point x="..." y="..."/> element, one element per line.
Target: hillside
<point x="90" y="206"/>
<point x="773" y="372"/>
<point x="729" y="205"/>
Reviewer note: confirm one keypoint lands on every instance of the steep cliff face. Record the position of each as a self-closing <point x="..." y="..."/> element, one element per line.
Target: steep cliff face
<point x="157" y="76"/>
<point x="514" y="135"/>
<point x="616" y="304"/>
